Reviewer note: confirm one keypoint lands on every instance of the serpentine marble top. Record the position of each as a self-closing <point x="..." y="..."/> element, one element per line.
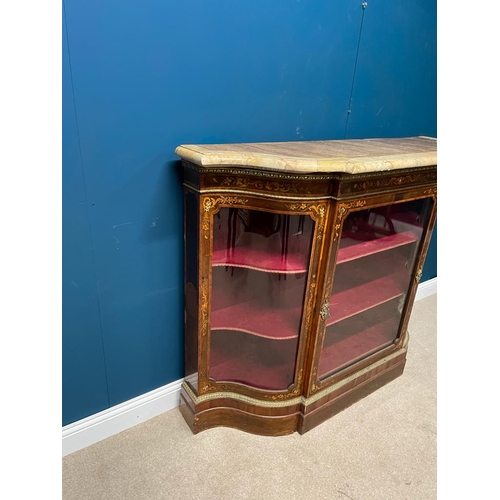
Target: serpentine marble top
<point x="352" y="156"/>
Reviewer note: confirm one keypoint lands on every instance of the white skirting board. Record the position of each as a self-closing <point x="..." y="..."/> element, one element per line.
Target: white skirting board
<point x="426" y="288"/>
<point x="118" y="418"/>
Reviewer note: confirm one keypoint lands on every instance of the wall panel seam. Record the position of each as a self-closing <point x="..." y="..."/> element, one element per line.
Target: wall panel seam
<point x="86" y="200"/>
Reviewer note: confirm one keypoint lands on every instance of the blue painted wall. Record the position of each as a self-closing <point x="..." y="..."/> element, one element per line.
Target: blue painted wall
<point x="140" y="79"/>
<point x="84" y="388"/>
<point x="394" y="89"/>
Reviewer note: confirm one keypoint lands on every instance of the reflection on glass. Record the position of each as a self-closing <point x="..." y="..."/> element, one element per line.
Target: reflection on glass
<point x="259" y="274"/>
<point x="377" y="253"/>
<point x="191" y="289"/>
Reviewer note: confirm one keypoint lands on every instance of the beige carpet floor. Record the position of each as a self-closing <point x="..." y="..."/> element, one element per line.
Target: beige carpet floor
<point x="381" y="448"/>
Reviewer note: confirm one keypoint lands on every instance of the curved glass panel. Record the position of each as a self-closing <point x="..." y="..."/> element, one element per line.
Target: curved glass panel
<point x="260" y="263"/>
<point x="375" y="262"/>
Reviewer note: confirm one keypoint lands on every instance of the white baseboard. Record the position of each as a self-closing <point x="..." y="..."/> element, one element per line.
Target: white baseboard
<point x="118" y="418"/>
<point x="426" y="288"/>
<point x="106" y="423"/>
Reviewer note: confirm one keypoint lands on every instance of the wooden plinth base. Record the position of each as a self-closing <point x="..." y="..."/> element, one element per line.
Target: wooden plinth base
<point x="285" y="417"/>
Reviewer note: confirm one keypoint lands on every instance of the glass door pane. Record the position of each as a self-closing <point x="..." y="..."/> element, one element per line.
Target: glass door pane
<point x="260" y="264"/>
<point x="375" y="261"/>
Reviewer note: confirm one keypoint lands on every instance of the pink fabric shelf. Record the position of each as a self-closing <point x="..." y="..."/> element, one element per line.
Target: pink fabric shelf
<point x="260" y="260"/>
<point x="254" y="375"/>
<point x="236" y="357"/>
<point x="357" y="250"/>
<point x="280" y="319"/>
<point x="346" y="351"/>
<point x="360" y="298"/>
<point x="264" y="316"/>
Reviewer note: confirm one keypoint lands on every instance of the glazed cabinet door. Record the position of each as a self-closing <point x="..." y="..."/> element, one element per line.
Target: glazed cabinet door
<point x="375" y="263"/>
<point x="258" y="270"/>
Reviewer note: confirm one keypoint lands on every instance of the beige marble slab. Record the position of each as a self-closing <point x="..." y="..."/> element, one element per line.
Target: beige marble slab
<point x="351" y="156"/>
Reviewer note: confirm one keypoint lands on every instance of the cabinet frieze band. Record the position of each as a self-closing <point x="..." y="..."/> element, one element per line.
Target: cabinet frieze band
<point x="362" y="185"/>
<point x="258" y="194"/>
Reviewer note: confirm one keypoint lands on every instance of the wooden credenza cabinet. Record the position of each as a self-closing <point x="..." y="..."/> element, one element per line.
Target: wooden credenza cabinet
<point x="302" y="261"/>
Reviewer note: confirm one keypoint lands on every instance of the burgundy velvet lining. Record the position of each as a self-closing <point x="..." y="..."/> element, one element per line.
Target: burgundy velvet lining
<point x="358" y="336"/>
<point x="365" y="296"/>
<point x="258" y="293"/>
<point x="260" y="259"/>
<point x="274" y="316"/>
<point x="247" y="359"/>
<point x="278" y="316"/>
<point x="352" y="249"/>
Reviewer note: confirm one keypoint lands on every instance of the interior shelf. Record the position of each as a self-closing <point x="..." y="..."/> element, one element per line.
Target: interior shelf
<point x="260" y="260"/>
<point x="284" y="251"/>
<point x="355" y="250"/>
<point x="265" y="316"/>
<point x="255" y="375"/>
<point x="341" y="350"/>
<point x="235" y="357"/>
<point x="357" y="299"/>
<point x="279" y="318"/>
